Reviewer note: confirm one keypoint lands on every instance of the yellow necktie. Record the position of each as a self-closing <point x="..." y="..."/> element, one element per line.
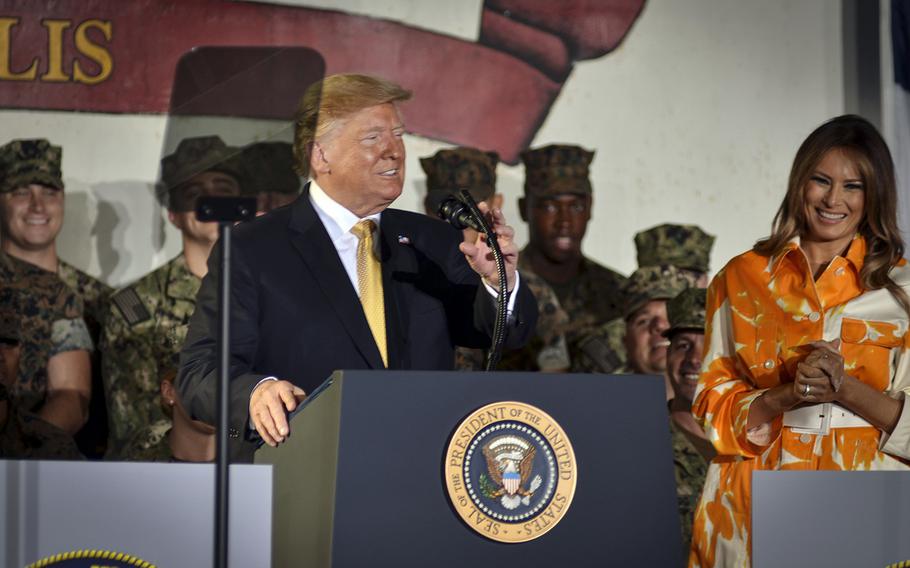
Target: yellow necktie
<point x="369" y="280"/>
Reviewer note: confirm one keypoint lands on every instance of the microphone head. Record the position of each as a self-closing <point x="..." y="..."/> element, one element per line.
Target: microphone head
<point x="457" y="214"/>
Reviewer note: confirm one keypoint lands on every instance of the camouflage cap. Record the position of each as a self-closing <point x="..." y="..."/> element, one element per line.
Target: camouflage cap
<point x="30" y="161"/>
<point x="557" y="169"/>
<point x="452" y="169"/>
<point x="648" y="283"/>
<point x="683" y="246"/>
<point x="687" y="311"/>
<point x="198" y="155"/>
<point x="269" y="167"/>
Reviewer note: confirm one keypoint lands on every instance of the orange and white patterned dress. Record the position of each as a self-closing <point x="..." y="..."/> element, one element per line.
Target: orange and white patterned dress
<point x="760" y="310"/>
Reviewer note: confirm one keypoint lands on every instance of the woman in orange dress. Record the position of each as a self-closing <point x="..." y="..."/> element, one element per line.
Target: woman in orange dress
<point x="806" y="346"/>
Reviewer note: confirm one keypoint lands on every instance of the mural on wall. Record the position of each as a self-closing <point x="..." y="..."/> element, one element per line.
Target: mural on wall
<point x="120" y="57"/>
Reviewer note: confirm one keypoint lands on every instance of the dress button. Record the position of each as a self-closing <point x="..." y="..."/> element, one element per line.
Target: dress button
<point x="769" y="364"/>
<point x="814" y="317"/>
<point x="805" y="438"/>
<point x="839" y="271"/>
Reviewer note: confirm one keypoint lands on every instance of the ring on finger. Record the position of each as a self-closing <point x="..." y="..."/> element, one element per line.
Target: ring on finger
<point x="806" y="392"/>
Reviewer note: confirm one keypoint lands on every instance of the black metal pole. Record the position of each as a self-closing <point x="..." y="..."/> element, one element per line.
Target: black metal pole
<point x="224" y="343"/>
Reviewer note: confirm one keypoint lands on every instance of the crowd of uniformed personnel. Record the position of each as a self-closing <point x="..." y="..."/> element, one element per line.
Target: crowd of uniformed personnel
<point x="86" y="371"/>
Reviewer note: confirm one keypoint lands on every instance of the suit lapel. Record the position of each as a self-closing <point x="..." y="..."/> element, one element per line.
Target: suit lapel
<point x="395" y="251"/>
<point x="311" y="240"/>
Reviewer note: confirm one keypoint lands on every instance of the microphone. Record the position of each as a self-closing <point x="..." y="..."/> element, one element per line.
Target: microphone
<point x="458" y="214"/>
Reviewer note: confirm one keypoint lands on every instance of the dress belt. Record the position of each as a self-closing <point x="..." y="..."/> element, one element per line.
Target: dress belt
<point x="820" y="418"/>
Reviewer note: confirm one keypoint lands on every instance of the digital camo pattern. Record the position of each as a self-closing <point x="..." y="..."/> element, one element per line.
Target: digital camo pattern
<point x="23" y="162"/>
<point x="148" y="445"/>
<point x="689" y="468"/>
<point x="683" y="246"/>
<point x="23" y="435"/>
<point x="139" y="347"/>
<point x="269" y="167"/>
<point x="593" y="298"/>
<point x="649" y="283"/>
<point x="759" y="311"/>
<point x="42" y="302"/>
<point x="603" y="350"/>
<point x="687" y="310"/>
<point x="557" y="169"/>
<point x="95" y="296"/>
<point x="546" y="351"/>
<point x="453" y="169"/>
<point x="193" y="157"/>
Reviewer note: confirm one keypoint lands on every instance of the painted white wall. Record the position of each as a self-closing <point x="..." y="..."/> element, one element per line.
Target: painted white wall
<point x="695" y="119"/>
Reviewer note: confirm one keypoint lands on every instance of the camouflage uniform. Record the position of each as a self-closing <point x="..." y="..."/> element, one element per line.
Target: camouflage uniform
<point x="689" y="468"/>
<point x="37" y="161"/>
<point x="593" y="297"/>
<point x="684" y="246"/>
<point x="140" y="319"/>
<point x="43" y="315"/>
<point x="546" y="351"/>
<point x="139" y="334"/>
<point x="687" y="247"/>
<point x="686" y="312"/>
<point x="95" y="295"/>
<point x="598" y="354"/>
<point x="269" y="169"/>
<point x="51" y="323"/>
<point x="467" y="168"/>
<point x="151" y="448"/>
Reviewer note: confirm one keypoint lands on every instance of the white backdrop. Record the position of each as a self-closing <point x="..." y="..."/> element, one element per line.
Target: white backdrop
<point x="695" y="119"/>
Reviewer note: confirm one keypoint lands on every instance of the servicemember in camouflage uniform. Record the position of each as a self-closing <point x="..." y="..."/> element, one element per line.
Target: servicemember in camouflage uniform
<point x="691" y="449"/>
<point x="450" y="170"/>
<point x="31" y="217"/>
<point x="187" y="440"/>
<point x="644" y="314"/>
<point x="688" y="248"/>
<point x="40" y="319"/>
<point x="143" y="313"/>
<point x="269" y="174"/>
<point x="557" y="208"/>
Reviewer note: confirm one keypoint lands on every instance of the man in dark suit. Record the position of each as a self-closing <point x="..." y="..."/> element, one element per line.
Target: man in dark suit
<point x="315" y="290"/>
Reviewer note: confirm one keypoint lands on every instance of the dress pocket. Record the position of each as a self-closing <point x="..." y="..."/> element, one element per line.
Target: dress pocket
<point x="868" y="347"/>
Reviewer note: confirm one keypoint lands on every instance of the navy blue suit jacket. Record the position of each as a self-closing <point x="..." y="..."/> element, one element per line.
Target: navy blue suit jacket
<point x="296" y="315"/>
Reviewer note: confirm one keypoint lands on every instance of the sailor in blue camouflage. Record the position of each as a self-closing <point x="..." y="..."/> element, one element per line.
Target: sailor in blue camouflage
<point x="142" y="314"/>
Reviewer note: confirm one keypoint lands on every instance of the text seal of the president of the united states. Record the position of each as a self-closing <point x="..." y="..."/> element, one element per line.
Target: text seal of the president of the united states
<point x="510" y="471"/>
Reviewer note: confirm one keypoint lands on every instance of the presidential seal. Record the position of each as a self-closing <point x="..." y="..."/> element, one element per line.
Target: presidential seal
<point x="510" y="471"/>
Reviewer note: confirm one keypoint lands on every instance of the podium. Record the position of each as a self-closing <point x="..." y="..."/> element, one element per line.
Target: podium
<point x="360" y="481"/>
<point x="160" y="513"/>
<point x="830" y="518"/>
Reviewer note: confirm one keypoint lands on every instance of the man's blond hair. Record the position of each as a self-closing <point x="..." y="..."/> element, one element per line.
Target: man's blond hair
<point x="332" y="99"/>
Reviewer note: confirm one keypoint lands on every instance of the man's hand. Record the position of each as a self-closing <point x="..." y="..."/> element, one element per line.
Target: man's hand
<point x="480" y="255"/>
<point x="269" y="405"/>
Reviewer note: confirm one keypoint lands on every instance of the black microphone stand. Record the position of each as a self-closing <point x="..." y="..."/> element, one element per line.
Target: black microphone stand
<point x="226" y="211"/>
<point x="462" y="212"/>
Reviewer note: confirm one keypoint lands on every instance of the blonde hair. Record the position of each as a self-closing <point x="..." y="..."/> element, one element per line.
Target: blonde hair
<point x="861" y="142"/>
<point x="331" y="100"/>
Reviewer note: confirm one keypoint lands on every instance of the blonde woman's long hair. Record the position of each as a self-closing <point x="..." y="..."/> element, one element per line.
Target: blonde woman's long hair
<point x="861" y="142"/>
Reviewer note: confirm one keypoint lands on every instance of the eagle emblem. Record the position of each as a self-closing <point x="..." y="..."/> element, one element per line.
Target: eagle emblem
<point x="510" y="461"/>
